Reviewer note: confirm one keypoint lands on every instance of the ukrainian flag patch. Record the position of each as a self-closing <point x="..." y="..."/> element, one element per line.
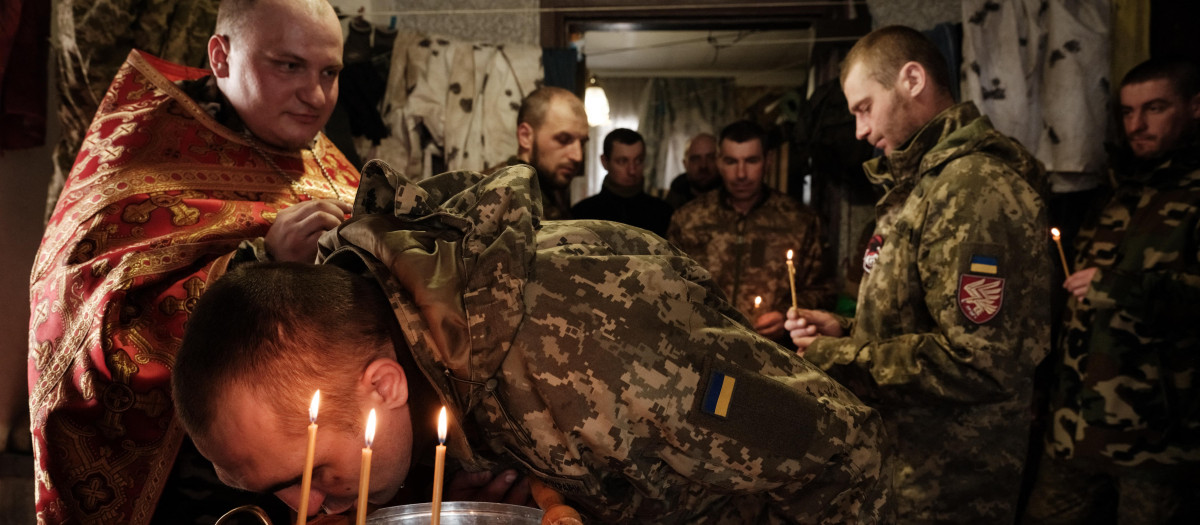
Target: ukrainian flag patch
<point x="720" y="391"/>
<point x="985" y="265"/>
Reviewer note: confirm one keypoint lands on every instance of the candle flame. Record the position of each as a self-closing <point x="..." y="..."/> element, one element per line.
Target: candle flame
<point x="1054" y="233"/>
<point x="312" y="408"/>
<point x="442" y="426"/>
<point x="757" y="301"/>
<point x="371" y="428"/>
<point x="789" y="255"/>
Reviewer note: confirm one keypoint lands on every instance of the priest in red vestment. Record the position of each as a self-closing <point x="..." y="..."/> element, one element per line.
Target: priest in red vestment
<point x="183" y="174"/>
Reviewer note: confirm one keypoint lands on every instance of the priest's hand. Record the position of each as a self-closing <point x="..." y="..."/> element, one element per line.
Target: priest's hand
<point x="294" y="235"/>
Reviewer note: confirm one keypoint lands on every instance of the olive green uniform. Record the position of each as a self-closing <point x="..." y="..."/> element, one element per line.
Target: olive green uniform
<point x="952" y="318"/>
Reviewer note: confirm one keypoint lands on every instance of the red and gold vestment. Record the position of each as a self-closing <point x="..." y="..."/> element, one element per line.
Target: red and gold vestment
<point x="159" y="199"/>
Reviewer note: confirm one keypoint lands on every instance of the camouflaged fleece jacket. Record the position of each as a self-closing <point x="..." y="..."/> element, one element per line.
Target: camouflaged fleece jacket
<point x="952" y="318"/>
<point x="1127" y="392"/>
<point x="604" y="362"/>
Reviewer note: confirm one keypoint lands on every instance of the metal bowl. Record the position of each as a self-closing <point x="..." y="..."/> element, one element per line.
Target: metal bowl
<point x="458" y="513"/>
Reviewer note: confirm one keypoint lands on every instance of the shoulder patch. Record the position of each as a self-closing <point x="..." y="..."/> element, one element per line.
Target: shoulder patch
<point x="980" y="297"/>
<point x="872" y="252"/>
<point x="984" y="264"/>
<point x="720" y="391"/>
<point x="740" y="404"/>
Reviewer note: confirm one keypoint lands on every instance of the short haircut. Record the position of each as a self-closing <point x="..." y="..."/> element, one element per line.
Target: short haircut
<point x="534" y="107"/>
<point x="1182" y="74"/>
<point x="625" y="136"/>
<point x="744" y="131"/>
<point x="885" y="50"/>
<point x="282" y="330"/>
<point x="232" y="16"/>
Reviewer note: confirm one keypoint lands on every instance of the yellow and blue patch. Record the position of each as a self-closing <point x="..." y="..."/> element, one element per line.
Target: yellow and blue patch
<point x="985" y="265"/>
<point x="720" y="391"/>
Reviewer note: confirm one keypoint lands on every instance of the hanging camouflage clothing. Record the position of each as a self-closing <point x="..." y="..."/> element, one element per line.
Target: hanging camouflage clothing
<point x="952" y="317"/>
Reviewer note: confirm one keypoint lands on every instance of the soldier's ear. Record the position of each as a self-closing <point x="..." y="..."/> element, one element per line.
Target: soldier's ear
<point x="525" y="137"/>
<point x="218" y="55"/>
<point x="1194" y="107"/>
<point x="911" y="79"/>
<point x="385" y="382"/>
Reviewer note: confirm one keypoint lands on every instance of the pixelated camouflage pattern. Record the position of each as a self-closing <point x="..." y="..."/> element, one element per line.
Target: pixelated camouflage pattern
<point x="1127" y="392"/>
<point x="747" y="254"/>
<point x="954" y="394"/>
<point x="555" y="204"/>
<point x="581" y="350"/>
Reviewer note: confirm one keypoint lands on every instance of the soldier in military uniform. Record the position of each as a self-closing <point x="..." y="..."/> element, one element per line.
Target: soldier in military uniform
<point x="1125" y="412"/>
<point x="742" y="232"/>
<point x="593" y="356"/>
<point x="552" y="131"/>
<point x="952" y="315"/>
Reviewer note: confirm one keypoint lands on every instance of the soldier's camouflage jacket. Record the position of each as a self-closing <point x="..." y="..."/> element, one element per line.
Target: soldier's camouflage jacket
<point x="604" y="362"/>
<point x="952" y="317"/>
<point x="1127" y="392"/>
<point x="747" y="254"/>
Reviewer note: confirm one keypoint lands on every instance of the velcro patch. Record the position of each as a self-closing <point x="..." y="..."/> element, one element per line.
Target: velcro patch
<point x="984" y="264"/>
<point x="720" y="391"/>
<point x="980" y="297"/>
<point x="743" y="404"/>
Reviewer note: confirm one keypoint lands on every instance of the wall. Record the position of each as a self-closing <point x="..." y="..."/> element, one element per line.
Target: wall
<point x="484" y="20"/>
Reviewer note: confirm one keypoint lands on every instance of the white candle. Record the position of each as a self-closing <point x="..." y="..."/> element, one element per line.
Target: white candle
<point x="439" y="466"/>
<point x="306" y="481"/>
<point x="364" y="476"/>
<point x="1061" y="256"/>
<point x="791" y="277"/>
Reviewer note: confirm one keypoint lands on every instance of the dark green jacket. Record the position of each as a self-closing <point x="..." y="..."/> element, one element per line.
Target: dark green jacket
<point x="1128" y="393"/>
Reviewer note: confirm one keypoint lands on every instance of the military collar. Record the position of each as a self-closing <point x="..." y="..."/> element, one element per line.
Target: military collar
<point x="923" y="149"/>
<point x="723" y="199"/>
<point x="1128" y="168"/>
<point x="625" y="192"/>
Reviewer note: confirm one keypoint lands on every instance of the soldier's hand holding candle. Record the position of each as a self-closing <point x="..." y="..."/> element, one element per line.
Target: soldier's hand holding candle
<point x="806" y="325"/>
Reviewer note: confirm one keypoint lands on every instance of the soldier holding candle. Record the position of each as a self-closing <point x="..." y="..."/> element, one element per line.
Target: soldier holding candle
<point x="741" y="231"/>
<point x="952" y="314"/>
<point x="1124" y="434"/>
<point x="596" y="358"/>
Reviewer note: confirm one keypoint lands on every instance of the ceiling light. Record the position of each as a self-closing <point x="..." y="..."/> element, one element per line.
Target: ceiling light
<point x="595" y="102"/>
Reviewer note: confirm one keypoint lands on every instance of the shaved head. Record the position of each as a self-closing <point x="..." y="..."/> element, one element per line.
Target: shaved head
<point x="234" y="15"/>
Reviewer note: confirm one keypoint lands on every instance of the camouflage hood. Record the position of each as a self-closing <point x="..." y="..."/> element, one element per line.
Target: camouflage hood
<point x="455" y="243"/>
<point x="959" y="130"/>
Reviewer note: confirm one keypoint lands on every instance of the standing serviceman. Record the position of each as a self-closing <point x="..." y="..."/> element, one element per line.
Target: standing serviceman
<point x="1124" y="434"/>
<point x="952" y="313"/>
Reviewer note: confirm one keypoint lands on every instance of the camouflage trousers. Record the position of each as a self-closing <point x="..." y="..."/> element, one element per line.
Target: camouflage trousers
<point x="1068" y="493"/>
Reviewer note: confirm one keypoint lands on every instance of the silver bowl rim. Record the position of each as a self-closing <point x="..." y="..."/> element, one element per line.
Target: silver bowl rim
<point x="457" y="508"/>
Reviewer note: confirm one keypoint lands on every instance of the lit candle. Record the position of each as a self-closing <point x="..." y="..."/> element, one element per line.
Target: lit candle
<point x="439" y="466"/>
<point x="306" y="481"/>
<point x="1061" y="256"/>
<point x="364" y="476"/>
<point x="757" y="302"/>
<point x="792" y="277"/>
